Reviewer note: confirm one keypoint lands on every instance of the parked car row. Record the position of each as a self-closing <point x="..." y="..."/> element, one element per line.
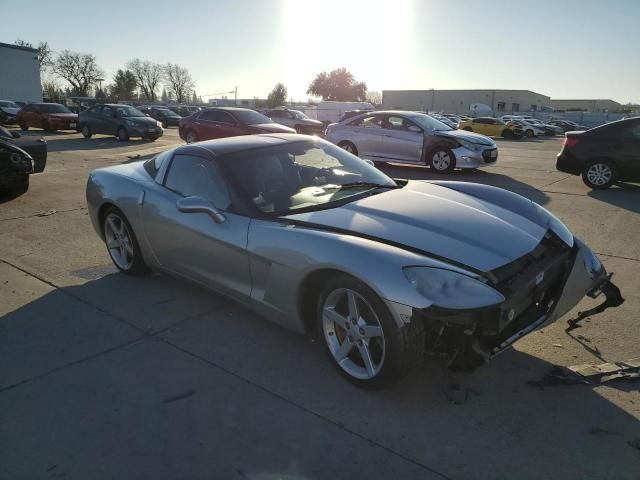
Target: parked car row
<point x="122" y="121"/>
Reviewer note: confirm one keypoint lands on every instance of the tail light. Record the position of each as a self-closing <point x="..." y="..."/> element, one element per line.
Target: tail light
<point x="570" y="142"/>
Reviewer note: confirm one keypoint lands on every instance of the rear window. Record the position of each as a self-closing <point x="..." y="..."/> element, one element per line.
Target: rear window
<point x="153" y="165"/>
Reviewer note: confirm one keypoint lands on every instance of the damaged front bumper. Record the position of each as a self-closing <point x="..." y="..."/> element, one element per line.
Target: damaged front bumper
<point x="546" y="293"/>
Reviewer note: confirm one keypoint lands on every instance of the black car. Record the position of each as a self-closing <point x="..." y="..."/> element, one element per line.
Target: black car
<point x="567" y="126"/>
<point x="123" y="121"/>
<point x="19" y="158"/>
<point x="167" y="117"/>
<point x="603" y="155"/>
<point x="184" y="110"/>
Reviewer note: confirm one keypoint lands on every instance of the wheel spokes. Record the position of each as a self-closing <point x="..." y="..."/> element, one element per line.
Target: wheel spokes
<point x="363" y="348"/>
<point x="335" y="317"/>
<point x="354" y="313"/>
<point x="371" y="331"/>
<point x="343" y="350"/>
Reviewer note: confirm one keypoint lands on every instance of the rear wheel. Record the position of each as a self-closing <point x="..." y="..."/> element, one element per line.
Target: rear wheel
<point x="442" y="159"/>
<point x="599" y="174"/>
<point x="349" y="147"/>
<point x="363" y="340"/>
<point x="86" y="131"/>
<point x="529" y="133"/>
<point x="47" y="128"/>
<point x="122" y="134"/>
<point x="506" y="133"/>
<point x="121" y="242"/>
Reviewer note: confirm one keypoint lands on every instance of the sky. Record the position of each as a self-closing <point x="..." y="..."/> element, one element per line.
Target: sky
<point x="563" y="49"/>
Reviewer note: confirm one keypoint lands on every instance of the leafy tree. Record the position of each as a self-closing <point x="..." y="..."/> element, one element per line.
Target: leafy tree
<point x="179" y="81"/>
<point x="338" y="85"/>
<point x="80" y="70"/>
<point x="45" y="54"/>
<point x="124" y="85"/>
<point x="147" y="75"/>
<point x="277" y="96"/>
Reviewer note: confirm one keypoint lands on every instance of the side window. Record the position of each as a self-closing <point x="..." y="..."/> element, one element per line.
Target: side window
<point x="398" y="123"/>
<point x="190" y="175"/>
<point x="94" y="110"/>
<point x="210" y="115"/>
<point x="107" y="112"/>
<point x="224" y="117"/>
<point x="275" y="114"/>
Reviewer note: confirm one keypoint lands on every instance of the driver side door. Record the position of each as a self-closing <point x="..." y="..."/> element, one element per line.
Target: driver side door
<point x="192" y="244"/>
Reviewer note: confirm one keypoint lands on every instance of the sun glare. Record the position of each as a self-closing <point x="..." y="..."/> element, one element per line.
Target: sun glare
<point x="346" y="33"/>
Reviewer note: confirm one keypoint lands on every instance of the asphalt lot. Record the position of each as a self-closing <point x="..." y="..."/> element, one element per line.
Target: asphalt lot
<point x="104" y="376"/>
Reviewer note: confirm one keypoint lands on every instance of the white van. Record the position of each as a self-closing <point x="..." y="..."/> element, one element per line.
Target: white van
<point x="331" y="112"/>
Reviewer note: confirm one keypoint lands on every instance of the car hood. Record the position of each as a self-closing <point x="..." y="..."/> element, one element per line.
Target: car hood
<point x="10" y="110"/>
<point x="272" y="128"/>
<point x="310" y="121"/>
<point x="483" y="233"/>
<point x="143" y="120"/>
<point x="467" y="136"/>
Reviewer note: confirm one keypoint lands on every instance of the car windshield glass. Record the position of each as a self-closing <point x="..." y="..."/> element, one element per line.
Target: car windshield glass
<point x="129" y="112"/>
<point x="313" y="175"/>
<point x="249" y="117"/>
<point x="9" y="104"/>
<point x="53" y="108"/>
<point x="430" y="124"/>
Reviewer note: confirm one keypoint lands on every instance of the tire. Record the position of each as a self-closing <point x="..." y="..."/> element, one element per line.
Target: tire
<point x="122" y="134"/>
<point x="3" y="117"/>
<point x="86" y="131"/>
<point x="24" y="126"/>
<point x="529" y="133"/>
<point x="441" y="159"/>
<point x="349" y="147"/>
<point x="18" y="187"/>
<point x="190" y="136"/>
<point x="164" y="125"/>
<point x="506" y="133"/>
<point x="599" y="174"/>
<point x="122" y="244"/>
<point x="47" y="128"/>
<point x="467" y="129"/>
<point x="392" y="350"/>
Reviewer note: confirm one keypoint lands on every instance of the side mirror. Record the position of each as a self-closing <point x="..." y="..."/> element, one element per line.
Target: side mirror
<point x="15" y="134"/>
<point x="195" y="204"/>
<point x="413" y="128"/>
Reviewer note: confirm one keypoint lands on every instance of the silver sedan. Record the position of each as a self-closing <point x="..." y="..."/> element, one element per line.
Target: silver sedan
<point x="318" y="240"/>
<point x="413" y="138"/>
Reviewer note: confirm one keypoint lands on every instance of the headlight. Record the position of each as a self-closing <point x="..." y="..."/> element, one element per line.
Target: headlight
<point x="555" y="225"/>
<point x="451" y="290"/>
<point x="468" y="145"/>
<point x="158" y="124"/>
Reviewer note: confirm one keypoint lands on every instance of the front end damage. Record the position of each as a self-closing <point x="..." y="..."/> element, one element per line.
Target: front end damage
<point x="538" y="288"/>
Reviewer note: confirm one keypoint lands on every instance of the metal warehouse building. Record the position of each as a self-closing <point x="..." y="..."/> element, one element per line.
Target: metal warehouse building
<point x="464" y="101"/>
<point x="593" y="106"/>
<point x="19" y="74"/>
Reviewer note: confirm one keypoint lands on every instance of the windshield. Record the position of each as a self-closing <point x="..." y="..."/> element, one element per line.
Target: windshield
<point x="303" y="175"/>
<point x="8" y="104"/>
<point x="298" y="114"/>
<point x="127" y="111"/>
<point x="53" y="108"/>
<point x="165" y="112"/>
<point x="429" y="124"/>
<point x="249" y="117"/>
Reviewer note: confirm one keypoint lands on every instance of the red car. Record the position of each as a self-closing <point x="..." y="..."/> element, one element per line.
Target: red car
<point x="226" y="122"/>
<point x="48" y="116"/>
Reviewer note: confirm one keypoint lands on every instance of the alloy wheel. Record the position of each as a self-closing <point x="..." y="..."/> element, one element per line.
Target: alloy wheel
<point x="441" y="160"/>
<point x="119" y="242"/>
<point x="348" y="147"/>
<point x="599" y="174"/>
<point x="353" y="333"/>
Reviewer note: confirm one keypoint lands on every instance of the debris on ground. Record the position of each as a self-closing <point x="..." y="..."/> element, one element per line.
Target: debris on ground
<point x="589" y="374"/>
<point x="46" y="213"/>
<point x="133" y="157"/>
<point x="557" y="345"/>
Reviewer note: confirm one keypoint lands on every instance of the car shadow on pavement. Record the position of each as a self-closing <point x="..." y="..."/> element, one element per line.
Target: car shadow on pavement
<point x="486" y="424"/>
<point x="622" y="195"/>
<point x="94" y="143"/>
<point x="486" y="177"/>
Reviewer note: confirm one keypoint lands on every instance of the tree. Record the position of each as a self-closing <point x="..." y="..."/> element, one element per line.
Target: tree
<point x="147" y="75"/>
<point x="374" y="97"/>
<point x="80" y="70"/>
<point x="51" y="89"/>
<point x="164" y="97"/>
<point x="194" y="98"/>
<point x="45" y="54"/>
<point x="179" y="81"/>
<point x="338" y="85"/>
<point x="277" y="96"/>
<point x="124" y="85"/>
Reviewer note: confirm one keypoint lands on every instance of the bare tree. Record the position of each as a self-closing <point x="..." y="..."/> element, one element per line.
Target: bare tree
<point x="45" y="54"/>
<point x="179" y="81"/>
<point x="80" y="70"/>
<point x="148" y="76"/>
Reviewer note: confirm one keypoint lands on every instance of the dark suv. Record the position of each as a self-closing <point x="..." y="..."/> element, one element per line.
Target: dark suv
<point x="168" y="118"/>
<point x="603" y="155"/>
<point x="123" y="121"/>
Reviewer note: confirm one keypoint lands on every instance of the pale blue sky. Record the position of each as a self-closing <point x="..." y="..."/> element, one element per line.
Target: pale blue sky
<point x="564" y="49"/>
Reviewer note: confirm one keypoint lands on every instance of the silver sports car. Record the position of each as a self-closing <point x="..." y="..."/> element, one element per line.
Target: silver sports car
<point x="315" y="238"/>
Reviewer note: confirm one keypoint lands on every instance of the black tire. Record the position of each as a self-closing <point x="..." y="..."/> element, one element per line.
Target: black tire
<point x="438" y="166"/>
<point x="138" y="267"/>
<point x="190" y="136"/>
<point x="18" y="186"/>
<point x="47" y="128"/>
<point x="122" y="134"/>
<point x="529" y="133"/>
<point x="349" y="147"/>
<point x="164" y="125"/>
<point x="605" y="167"/>
<point x="404" y="347"/>
<point x="506" y="133"/>
<point x="467" y="129"/>
<point x="24" y="126"/>
<point x="3" y="117"/>
<point x="86" y="131"/>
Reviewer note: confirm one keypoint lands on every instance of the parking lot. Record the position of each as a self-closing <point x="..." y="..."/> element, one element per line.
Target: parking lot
<point x="108" y="376"/>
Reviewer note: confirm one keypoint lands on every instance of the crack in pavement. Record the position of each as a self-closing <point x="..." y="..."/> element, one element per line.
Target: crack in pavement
<point x="39" y="214"/>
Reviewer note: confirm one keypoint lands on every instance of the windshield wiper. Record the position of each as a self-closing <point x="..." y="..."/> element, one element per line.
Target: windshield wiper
<point x="346" y="186"/>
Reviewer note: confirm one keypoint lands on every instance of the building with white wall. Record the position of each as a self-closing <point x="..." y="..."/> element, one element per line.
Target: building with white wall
<point x="19" y="74"/>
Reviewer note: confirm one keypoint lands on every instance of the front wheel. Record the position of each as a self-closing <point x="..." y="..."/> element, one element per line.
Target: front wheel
<point x="599" y="174"/>
<point x="507" y="133"/>
<point x="86" y="131"/>
<point x="122" y="243"/>
<point x="529" y="133"/>
<point x="122" y="134"/>
<point x="191" y="137"/>
<point x="349" y="147"/>
<point x="363" y="341"/>
<point x="442" y="160"/>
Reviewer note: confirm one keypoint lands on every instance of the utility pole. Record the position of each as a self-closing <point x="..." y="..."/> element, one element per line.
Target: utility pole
<point x="235" y="99"/>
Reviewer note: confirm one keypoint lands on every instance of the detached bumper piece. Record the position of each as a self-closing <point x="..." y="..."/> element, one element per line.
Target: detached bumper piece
<point x="613" y="298"/>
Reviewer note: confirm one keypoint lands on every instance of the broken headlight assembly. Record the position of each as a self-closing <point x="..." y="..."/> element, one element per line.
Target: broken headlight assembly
<point x="451" y="290"/>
